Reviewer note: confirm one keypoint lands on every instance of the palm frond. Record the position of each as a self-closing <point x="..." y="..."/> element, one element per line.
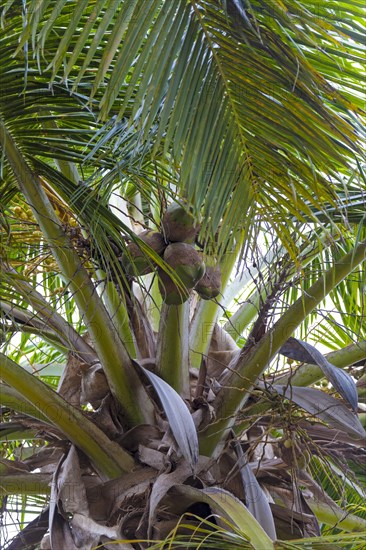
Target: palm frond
<point x="246" y="100"/>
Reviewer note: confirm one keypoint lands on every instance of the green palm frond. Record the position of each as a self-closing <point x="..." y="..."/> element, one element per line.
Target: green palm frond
<point x="335" y="475"/>
<point x="246" y="97"/>
<point x="252" y="112"/>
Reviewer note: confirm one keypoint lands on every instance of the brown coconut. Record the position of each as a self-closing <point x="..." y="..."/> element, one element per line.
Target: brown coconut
<point x="178" y="224"/>
<point x="189" y="267"/>
<point x="135" y="261"/>
<point x="210" y="285"/>
<point x="170" y="292"/>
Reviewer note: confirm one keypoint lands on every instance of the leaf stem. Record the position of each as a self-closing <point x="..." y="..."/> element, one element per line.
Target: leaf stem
<point x="117" y="365"/>
<point x="108" y="457"/>
<point x="253" y="359"/>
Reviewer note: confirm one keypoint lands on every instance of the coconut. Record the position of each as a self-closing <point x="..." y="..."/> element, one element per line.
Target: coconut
<point x="210" y="285"/>
<point x="170" y="292"/>
<point x="178" y="224"/>
<point x="189" y="268"/>
<point x="186" y="261"/>
<point x="135" y="261"/>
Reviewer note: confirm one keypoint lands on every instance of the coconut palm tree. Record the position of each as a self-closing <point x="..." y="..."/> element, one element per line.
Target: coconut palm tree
<point x="182" y="273"/>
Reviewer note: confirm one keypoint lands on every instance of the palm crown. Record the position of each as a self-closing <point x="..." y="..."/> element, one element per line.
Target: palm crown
<point x="245" y="120"/>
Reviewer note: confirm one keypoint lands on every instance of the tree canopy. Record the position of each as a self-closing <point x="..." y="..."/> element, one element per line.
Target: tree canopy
<point x="246" y="120"/>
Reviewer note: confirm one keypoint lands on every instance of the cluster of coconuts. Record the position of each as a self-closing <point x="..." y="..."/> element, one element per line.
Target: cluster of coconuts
<point x="175" y="244"/>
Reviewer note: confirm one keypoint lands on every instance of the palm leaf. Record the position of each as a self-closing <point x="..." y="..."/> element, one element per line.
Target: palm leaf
<point x="219" y="72"/>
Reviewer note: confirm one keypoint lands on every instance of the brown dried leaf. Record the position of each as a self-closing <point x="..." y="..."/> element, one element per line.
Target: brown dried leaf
<point x="72" y="522"/>
<point x="71" y="491"/>
<point x="318" y="432"/>
<point x="140" y="435"/>
<point x="13" y="466"/>
<point x="325" y="407"/>
<point x="87" y="532"/>
<point x="70" y="382"/>
<point x="94" y="386"/>
<point x="295" y="508"/>
<point x="166" y="481"/>
<point x="154" y="459"/>
<point x="218" y="361"/>
<point x="47" y="458"/>
<point x="68" y="496"/>
<point x="60" y="535"/>
<point x="32" y="534"/>
<point x="289" y="524"/>
<point x="221" y="351"/>
<point x="106" y="498"/>
<point x="106" y="417"/>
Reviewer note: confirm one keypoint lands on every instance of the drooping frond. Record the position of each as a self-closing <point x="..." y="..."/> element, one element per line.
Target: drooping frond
<point x="251" y="99"/>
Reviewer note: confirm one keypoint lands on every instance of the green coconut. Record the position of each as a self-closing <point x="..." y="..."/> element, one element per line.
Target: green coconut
<point x="135" y="261"/>
<point x="189" y="267"/>
<point x="178" y="224"/>
<point x="210" y="285"/>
